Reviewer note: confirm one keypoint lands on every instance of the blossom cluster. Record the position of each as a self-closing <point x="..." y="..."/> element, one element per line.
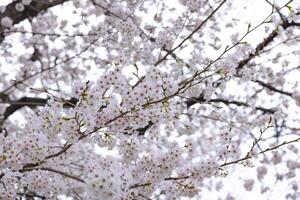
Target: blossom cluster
<point x="144" y="99"/>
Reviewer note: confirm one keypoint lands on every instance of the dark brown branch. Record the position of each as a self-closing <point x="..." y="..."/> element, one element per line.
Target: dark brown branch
<point x="31" y="102"/>
<point x="270" y="38"/>
<point x="36" y="7"/>
<point x="142" y="131"/>
<point x="285" y="24"/>
<point x="272" y="88"/>
<point x="200" y="99"/>
<point x="54" y="171"/>
<point x="31" y="195"/>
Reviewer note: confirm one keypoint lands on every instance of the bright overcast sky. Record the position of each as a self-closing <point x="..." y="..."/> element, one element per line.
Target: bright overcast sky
<point x="249" y="11"/>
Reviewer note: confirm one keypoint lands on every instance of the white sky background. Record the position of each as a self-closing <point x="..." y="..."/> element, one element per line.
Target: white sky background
<point x="254" y="12"/>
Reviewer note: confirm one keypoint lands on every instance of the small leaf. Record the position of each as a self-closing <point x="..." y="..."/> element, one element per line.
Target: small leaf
<point x="249" y="26"/>
<point x="290" y="8"/>
<point x="270" y="121"/>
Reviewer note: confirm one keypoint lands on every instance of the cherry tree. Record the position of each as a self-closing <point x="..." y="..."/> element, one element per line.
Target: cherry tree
<point x="148" y="99"/>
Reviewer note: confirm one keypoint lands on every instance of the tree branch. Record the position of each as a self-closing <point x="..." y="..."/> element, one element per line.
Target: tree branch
<point x="36" y="7"/>
<point x="200" y="99"/>
<point x="31" y="102"/>
<point x="54" y="171"/>
<point x="191" y="34"/>
<point x="270" y="87"/>
<point x="265" y="42"/>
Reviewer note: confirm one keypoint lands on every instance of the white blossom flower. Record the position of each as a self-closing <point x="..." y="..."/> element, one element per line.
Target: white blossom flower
<point x="6" y="22"/>
<point x="19" y="7"/>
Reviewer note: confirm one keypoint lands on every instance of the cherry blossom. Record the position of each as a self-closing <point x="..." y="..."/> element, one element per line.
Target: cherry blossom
<point x="145" y="99"/>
